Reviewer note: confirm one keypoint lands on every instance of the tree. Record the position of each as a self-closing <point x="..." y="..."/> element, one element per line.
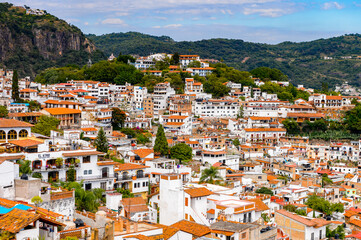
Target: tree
<point x="290" y="208"/>
<point x="101" y="142"/>
<point x="85" y="200"/>
<point x="45" y="124"/>
<point x="322" y="205"/>
<point x="194" y="64"/>
<point x="181" y="151"/>
<point x="3" y="112"/>
<point x="24" y="167"/>
<point x="340" y="231"/>
<point x="71" y="174"/>
<point x="118" y="118"/>
<point x="161" y="144"/>
<point x="15" y="87"/>
<point x="353" y="119"/>
<point x="291" y="126"/>
<point x="142" y="139"/>
<point x="326" y="180"/>
<point x="125" y="193"/>
<point x="98" y="193"/>
<point x="36" y="200"/>
<point x="209" y="175"/>
<point x="236" y="142"/>
<point x="175" y="58"/>
<point x="265" y="190"/>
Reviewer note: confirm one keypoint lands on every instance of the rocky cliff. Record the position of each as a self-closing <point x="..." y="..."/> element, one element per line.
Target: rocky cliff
<point x="30" y="42"/>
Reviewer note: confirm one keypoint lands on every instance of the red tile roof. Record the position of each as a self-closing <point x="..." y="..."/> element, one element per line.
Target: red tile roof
<point x="198" y="192"/>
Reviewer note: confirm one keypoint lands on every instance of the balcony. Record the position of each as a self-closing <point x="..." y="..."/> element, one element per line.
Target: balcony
<point x="94" y="177"/>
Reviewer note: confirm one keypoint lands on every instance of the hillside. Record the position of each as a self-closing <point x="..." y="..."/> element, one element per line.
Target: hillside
<point x="31" y="43"/>
<point x="302" y="62"/>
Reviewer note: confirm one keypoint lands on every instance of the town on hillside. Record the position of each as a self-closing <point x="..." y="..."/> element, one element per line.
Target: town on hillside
<point x="209" y="153"/>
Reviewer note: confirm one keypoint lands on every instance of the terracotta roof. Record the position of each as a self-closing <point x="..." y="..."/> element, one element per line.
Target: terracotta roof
<point x="193" y="228"/>
<point x="25" y="114"/>
<point x="169" y="232"/>
<point x="265" y="129"/>
<point x="306" y="115"/>
<point x="260" y="205"/>
<point x="315" y="222"/>
<point x="129" y="166"/>
<point x="78" y="153"/>
<point x="26" y="143"/>
<point x="28" y="90"/>
<point x="198" y="192"/>
<point x="12" y="123"/>
<point x="333" y="97"/>
<point x="136" y="204"/>
<point x="143" y="152"/>
<point x="16" y="220"/>
<point x="61" y="111"/>
<point x="89" y="129"/>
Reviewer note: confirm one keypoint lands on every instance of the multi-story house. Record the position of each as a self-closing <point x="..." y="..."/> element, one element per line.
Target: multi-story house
<point x="215" y="108"/>
<point x="132" y="176"/>
<point x="179" y="125"/>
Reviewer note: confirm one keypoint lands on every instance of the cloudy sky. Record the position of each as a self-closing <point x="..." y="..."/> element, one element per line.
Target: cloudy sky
<point x="266" y="21"/>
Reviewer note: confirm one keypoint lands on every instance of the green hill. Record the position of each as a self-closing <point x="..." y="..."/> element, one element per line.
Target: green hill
<point x="303" y="62"/>
<point x="30" y="43"/>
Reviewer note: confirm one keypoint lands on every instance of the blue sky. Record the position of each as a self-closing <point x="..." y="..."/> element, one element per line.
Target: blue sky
<point x="266" y="21"/>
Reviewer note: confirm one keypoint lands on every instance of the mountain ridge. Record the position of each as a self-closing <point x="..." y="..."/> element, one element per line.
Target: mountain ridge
<point x="303" y="62"/>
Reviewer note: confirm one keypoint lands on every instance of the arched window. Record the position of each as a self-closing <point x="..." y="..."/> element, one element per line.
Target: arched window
<point x="2" y="135"/>
<point x="23" y="133"/>
<point x="12" y="134"/>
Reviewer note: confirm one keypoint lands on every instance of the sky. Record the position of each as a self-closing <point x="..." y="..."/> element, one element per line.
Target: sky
<point x="264" y="21"/>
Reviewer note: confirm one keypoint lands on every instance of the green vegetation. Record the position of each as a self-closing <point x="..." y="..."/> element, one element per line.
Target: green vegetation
<point x="40" y="39"/>
<point x="45" y="124"/>
<point x="210" y="175"/>
<point x="24" y="167"/>
<point x="182" y="152"/>
<point x="340" y="231"/>
<point x="36" y="200"/>
<point x="125" y="193"/>
<point x="3" y="112"/>
<point x="322" y="205"/>
<point x="293" y="208"/>
<point x="265" y="190"/>
<point x="142" y="136"/>
<point x="85" y="200"/>
<point x="118" y="118"/>
<point x="289" y="93"/>
<point x="15" y="87"/>
<point x="101" y="142"/>
<point x="266" y="73"/>
<point x="161" y="144"/>
<point x="302" y="62"/>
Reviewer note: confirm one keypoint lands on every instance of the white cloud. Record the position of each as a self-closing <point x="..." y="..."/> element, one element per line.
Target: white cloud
<point x="169" y="26"/>
<point x="114" y="21"/>
<point x="332" y="5"/>
<point x="267" y="12"/>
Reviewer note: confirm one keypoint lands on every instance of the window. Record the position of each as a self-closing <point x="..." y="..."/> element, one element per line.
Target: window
<point x="23" y="133"/>
<point x="86" y="159"/>
<point x="2" y="135"/>
<point x="320" y="234"/>
<point x="312" y="236"/>
<point x="103" y="185"/>
<point x="90" y="171"/>
<point x="12" y="134"/>
<point x="135" y="185"/>
<point x="244" y="235"/>
<point x="143" y="184"/>
<point x="85" y="172"/>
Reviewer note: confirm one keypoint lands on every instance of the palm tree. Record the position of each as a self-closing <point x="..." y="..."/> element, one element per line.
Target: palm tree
<point x="210" y="174"/>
